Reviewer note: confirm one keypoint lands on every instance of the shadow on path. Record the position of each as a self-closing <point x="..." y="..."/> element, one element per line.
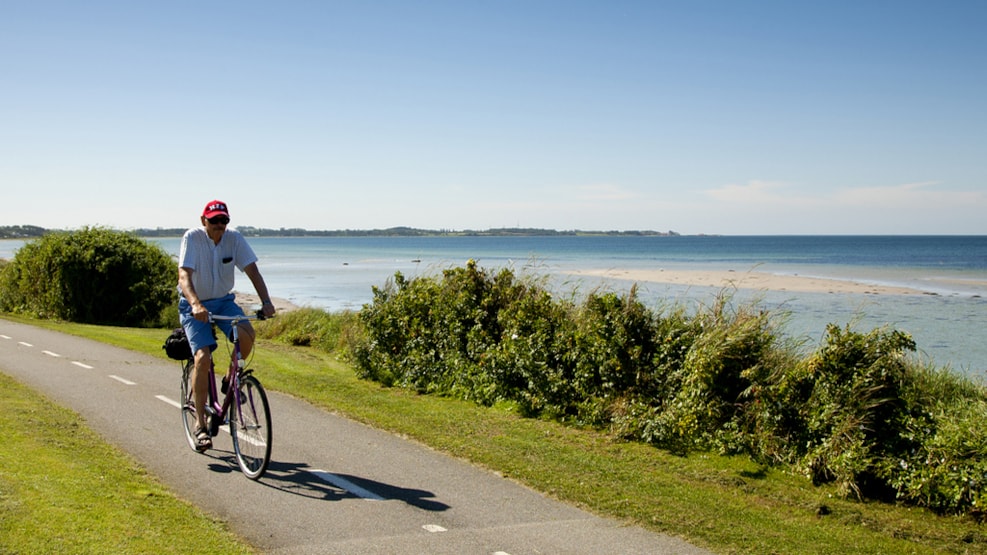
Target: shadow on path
<point x="301" y="479"/>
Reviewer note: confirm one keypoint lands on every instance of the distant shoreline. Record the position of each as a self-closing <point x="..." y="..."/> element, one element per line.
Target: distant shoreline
<point x="25" y="232"/>
<point x="30" y="232"/>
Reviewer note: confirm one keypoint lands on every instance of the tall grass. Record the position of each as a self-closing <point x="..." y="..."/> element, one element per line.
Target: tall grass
<point x="312" y="327"/>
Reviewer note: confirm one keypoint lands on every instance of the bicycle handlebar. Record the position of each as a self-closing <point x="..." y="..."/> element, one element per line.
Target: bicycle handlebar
<point x="259" y="315"/>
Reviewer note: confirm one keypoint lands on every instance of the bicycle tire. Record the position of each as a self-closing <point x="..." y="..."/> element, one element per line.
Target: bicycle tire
<point x="188" y="406"/>
<point x="250" y="428"/>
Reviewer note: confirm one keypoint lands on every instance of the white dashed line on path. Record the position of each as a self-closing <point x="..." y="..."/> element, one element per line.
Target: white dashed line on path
<point x="25" y="344"/>
<point x="168" y="400"/>
<point x="5" y="337"/>
<point x="434" y="528"/>
<point x="124" y="381"/>
<point x="81" y="365"/>
<point x="51" y="354"/>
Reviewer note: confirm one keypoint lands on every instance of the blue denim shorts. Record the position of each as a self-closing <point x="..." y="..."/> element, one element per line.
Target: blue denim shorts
<point x="200" y="333"/>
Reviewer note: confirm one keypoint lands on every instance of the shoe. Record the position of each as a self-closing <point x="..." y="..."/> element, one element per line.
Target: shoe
<point x="214" y="423"/>
<point x="202" y="440"/>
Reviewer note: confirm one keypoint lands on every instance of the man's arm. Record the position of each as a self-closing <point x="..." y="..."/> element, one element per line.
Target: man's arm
<point x="258" y="280"/>
<point x="199" y="312"/>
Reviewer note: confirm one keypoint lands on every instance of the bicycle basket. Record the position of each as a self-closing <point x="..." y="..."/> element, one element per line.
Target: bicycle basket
<point x="176" y="346"/>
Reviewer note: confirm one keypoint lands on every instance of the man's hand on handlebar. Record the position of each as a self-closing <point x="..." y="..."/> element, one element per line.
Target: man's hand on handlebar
<point x="200" y="313"/>
<point x="266" y="311"/>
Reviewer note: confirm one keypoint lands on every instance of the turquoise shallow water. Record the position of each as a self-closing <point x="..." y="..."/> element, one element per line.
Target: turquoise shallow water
<point x="948" y="322"/>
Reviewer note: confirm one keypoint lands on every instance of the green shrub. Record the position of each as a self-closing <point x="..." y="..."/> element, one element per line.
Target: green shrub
<point x="707" y="367"/>
<point x="855" y="411"/>
<point x="448" y="336"/>
<point x="400" y="326"/>
<point x="615" y="345"/>
<point x="95" y="275"/>
<point x="946" y="470"/>
<point x="534" y="365"/>
<point x="838" y="414"/>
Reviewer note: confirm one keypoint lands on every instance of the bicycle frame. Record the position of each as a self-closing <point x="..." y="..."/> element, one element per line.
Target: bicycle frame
<point x="234" y="374"/>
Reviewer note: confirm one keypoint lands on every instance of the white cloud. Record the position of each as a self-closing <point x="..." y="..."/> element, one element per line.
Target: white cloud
<point x="923" y="194"/>
<point x="775" y="207"/>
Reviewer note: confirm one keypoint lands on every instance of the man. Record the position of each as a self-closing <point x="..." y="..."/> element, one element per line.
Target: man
<point x="206" y="261"/>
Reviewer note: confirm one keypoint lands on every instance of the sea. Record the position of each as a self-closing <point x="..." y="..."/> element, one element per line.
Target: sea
<point x="948" y="321"/>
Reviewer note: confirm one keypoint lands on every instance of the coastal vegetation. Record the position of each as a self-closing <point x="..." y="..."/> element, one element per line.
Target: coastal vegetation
<point x="857" y="412"/>
<point x="94" y="275"/>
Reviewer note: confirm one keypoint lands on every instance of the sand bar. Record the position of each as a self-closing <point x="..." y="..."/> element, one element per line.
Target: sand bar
<point x="749" y="280"/>
<point x="251" y="302"/>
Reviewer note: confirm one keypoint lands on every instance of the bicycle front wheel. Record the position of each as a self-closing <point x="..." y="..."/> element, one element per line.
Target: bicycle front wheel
<point x="250" y="428"/>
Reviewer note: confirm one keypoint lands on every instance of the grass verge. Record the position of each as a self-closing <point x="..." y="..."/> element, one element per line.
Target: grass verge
<point x="727" y="504"/>
<point x="64" y="490"/>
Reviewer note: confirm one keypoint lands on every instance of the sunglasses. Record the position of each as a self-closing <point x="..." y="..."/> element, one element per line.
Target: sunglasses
<point x="218" y="220"/>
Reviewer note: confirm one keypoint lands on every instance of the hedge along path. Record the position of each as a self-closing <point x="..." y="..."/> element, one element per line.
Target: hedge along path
<point x="857" y="412"/>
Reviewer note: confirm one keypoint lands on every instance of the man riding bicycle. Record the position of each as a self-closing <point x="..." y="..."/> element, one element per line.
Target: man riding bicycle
<point x="206" y="260"/>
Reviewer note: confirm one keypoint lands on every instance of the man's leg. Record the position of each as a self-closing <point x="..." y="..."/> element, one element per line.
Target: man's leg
<point x="246" y="339"/>
<point x="200" y="381"/>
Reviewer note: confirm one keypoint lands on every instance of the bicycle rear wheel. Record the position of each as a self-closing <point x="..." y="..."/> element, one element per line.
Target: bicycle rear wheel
<point x="188" y="405"/>
<point x="250" y="428"/>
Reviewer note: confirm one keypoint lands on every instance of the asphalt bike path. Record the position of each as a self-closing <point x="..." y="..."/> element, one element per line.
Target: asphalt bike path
<point x="333" y="485"/>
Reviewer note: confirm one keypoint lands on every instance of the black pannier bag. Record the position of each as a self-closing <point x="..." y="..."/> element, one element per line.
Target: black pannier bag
<point x="176" y="346"/>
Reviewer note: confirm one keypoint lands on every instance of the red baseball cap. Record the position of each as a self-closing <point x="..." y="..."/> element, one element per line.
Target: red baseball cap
<point x="215" y="208"/>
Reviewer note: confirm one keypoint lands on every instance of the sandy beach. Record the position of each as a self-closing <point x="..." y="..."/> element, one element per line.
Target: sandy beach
<point x="251" y="302"/>
<point x="749" y="280"/>
<point x="701" y="278"/>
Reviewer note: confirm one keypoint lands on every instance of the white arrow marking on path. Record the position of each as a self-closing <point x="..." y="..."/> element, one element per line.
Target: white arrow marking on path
<point x="347" y="485"/>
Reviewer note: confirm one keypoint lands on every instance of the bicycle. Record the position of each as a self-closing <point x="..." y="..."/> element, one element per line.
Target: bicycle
<point x="244" y="406"/>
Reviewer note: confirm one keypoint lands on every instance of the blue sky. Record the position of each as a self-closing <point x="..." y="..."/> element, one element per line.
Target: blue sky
<point x="698" y="116"/>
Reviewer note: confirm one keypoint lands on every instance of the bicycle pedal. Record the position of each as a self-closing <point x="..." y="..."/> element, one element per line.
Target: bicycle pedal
<point x="214" y="424"/>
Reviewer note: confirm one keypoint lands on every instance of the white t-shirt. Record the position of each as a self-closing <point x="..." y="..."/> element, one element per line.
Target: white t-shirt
<point x="211" y="264"/>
